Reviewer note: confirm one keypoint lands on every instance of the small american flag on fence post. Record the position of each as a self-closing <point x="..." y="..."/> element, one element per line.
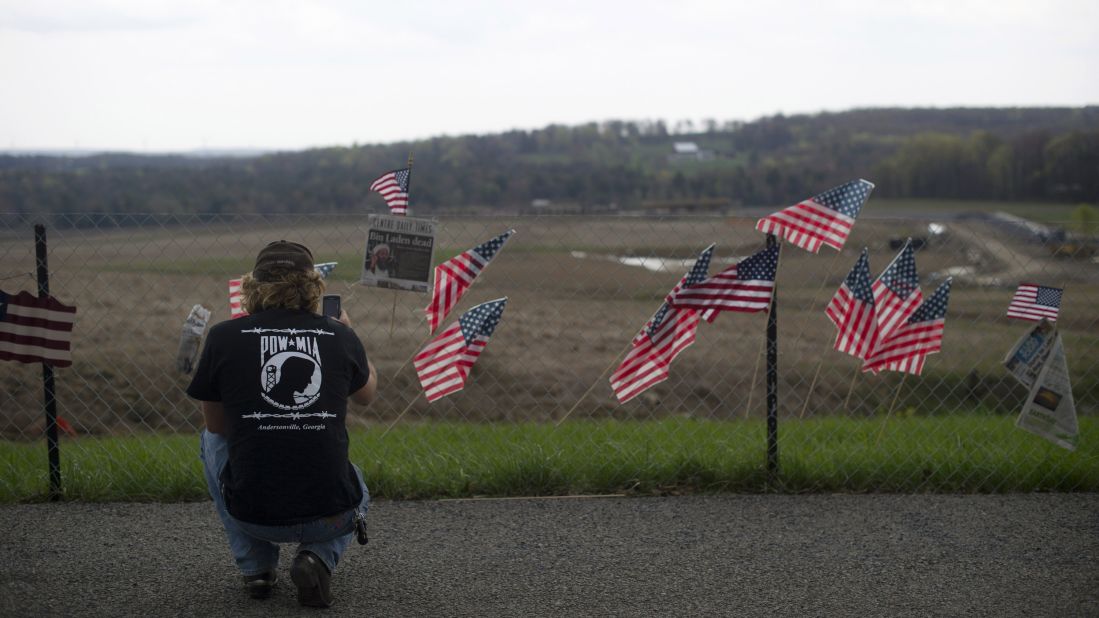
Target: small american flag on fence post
<point x="235" y="308"/>
<point x="906" y="347"/>
<point x="393" y="187"/>
<point x="897" y="291"/>
<point x="1034" y="302"/>
<point x="852" y="311"/>
<point x="824" y="219"/>
<point x="444" y="364"/>
<point x="454" y="276"/>
<point x="36" y="329"/>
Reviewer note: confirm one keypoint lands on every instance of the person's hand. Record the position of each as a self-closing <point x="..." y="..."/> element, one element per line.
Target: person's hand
<point x="343" y="318"/>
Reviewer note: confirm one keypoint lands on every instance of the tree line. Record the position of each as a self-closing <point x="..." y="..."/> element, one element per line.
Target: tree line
<point x="1030" y="154"/>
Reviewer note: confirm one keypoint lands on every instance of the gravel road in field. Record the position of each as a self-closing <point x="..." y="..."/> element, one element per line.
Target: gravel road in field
<point x="740" y="555"/>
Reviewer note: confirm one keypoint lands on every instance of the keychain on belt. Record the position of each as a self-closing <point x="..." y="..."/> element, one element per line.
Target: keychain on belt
<point x="360" y="527"/>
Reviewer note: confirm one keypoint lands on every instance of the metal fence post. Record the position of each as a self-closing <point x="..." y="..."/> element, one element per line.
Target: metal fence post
<point x="772" y="380"/>
<point x="50" y="401"/>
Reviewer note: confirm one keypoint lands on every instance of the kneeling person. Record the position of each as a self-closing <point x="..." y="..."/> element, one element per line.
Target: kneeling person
<point x="274" y="387"/>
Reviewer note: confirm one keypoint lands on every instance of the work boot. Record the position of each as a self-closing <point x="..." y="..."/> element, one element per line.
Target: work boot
<point x="313" y="580"/>
<point x="260" y="585"/>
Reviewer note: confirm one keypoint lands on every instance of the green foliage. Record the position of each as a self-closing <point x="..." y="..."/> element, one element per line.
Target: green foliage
<point x="1085" y="219"/>
<point x="904" y="452"/>
<point x="1006" y="154"/>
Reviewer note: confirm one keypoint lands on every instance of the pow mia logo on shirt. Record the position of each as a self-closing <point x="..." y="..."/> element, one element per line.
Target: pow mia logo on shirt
<point x="290" y="370"/>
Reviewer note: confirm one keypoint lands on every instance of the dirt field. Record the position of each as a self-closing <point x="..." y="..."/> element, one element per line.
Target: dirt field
<point x="573" y="308"/>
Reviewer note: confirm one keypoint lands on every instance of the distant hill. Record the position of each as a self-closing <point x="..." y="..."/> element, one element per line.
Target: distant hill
<point x="967" y="153"/>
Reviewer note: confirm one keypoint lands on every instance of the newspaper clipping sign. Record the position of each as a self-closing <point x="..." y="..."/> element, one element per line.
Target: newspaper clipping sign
<point x="1038" y="362"/>
<point x="399" y="253"/>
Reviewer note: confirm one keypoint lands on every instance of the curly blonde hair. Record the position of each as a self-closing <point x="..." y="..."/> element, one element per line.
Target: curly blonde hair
<point x="293" y="289"/>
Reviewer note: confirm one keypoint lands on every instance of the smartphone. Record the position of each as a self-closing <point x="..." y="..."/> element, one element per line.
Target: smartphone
<point x="330" y="306"/>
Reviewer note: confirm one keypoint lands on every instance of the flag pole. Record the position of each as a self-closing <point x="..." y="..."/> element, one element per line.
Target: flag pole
<point x="401" y="415"/>
<point x="393" y="312"/>
<point x="813" y="310"/>
<point x="590" y="388"/>
<point x="50" y="401"/>
<point x="891" y="406"/>
<point x="409" y="359"/>
<point x="812" y="385"/>
<point x="851" y="389"/>
<point x="408" y="205"/>
<point x="772" y="376"/>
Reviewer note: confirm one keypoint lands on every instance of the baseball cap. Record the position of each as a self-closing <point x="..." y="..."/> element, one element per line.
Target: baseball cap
<point x="281" y="255"/>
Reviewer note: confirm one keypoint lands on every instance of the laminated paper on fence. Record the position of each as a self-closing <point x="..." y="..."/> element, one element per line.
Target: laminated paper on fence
<point x="579" y="289"/>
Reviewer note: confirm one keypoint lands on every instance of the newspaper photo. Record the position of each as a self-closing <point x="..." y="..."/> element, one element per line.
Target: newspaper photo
<point x="1038" y="361"/>
<point x="399" y="253"/>
<point x="1028" y="355"/>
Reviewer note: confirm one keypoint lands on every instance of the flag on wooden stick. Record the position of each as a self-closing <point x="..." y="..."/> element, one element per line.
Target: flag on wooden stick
<point x="35" y="330"/>
<point x="852" y="311"/>
<point x="903" y="349"/>
<point x="667" y="333"/>
<point x="825" y="219"/>
<point x="745" y="286"/>
<point x="444" y="363"/>
<point x="393" y="186"/>
<point x="897" y="291"/>
<point x="1034" y="302"/>
<point x="454" y="276"/>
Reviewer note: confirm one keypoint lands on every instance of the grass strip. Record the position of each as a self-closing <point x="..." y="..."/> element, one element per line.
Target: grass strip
<point x="982" y="454"/>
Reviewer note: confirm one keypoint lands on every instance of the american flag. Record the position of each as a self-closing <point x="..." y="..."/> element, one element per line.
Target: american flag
<point x="394" y="189"/>
<point x="35" y="330"/>
<point x="823" y="219"/>
<point x="696" y="274"/>
<point x="661" y="340"/>
<point x="235" y="310"/>
<point x="745" y="286"/>
<point x="852" y="311"/>
<point x="897" y="291"/>
<point x="455" y="275"/>
<point x="325" y="268"/>
<point x="1034" y="302"/>
<point x="444" y="364"/>
<point x="648" y="360"/>
<point x="920" y="335"/>
<point x="910" y="364"/>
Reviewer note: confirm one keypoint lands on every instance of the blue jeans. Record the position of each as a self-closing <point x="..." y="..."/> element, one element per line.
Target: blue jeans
<point x="255" y="547"/>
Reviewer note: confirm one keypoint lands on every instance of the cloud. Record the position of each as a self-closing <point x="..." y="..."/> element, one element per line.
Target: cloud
<point x="282" y="73"/>
<point x="74" y="16"/>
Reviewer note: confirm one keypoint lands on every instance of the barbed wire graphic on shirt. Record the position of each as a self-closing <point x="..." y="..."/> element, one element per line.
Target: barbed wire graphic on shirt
<point x="293" y="416"/>
<point x="288" y="331"/>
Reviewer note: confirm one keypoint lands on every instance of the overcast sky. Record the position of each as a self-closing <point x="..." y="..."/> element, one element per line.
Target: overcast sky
<point x="153" y="75"/>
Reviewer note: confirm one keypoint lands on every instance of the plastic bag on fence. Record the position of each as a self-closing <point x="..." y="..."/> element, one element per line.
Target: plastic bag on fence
<point x="190" y="340"/>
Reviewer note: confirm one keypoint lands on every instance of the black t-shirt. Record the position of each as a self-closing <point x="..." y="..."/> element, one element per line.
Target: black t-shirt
<point x="283" y="377"/>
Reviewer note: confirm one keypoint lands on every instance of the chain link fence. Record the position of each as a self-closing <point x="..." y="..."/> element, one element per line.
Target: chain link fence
<point x="579" y="287"/>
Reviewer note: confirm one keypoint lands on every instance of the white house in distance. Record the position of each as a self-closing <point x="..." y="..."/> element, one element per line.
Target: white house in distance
<point x="686" y="152"/>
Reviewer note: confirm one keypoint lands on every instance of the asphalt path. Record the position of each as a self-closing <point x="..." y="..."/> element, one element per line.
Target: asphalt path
<point x="737" y="555"/>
